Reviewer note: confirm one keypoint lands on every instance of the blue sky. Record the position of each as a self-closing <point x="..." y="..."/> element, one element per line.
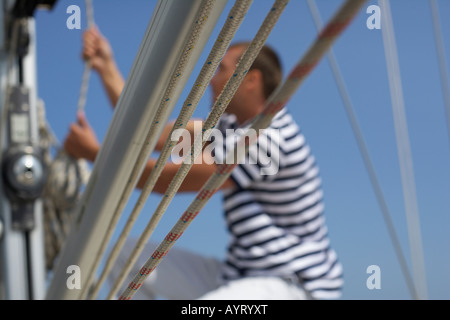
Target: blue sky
<point x="356" y="227"/>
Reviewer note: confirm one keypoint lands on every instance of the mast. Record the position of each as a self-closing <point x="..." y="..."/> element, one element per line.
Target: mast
<point x="22" y="252"/>
<point x="151" y="72"/>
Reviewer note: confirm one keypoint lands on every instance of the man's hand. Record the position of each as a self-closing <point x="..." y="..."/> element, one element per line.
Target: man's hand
<point x="97" y="50"/>
<point x="81" y="142"/>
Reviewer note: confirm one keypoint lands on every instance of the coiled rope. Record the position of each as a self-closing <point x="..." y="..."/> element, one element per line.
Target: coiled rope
<point x="276" y="102"/>
<point x="66" y="176"/>
<point x="235" y="18"/>
<point x="66" y="173"/>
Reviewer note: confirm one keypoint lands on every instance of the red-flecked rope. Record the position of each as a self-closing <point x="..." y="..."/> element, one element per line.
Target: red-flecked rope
<point x="365" y="155"/>
<point x="217" y="110"/>
<point x="194" y="35"/>
<point x="231" y="25"/>
<point x="276" y="102"/>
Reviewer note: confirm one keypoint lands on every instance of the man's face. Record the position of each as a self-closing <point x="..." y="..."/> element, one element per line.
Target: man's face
<point x="225" y="70"/>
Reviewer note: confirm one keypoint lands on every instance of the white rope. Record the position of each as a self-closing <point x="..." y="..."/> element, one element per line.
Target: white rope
<point x="275" y="103"/>
<point x="441" y="58"/>
<point x="54" y="222"/>
<point x="404" y="152"/>
<point x="66" y="176"/>
<point x="231" y="25"/>
<point x="87" y="64"/>
<point x="217" y="110"/>
<point x="364" y="151"/>
<point x="66" y="173"/>
<point x="66" y="188"/>
<point x="161" y="114"/>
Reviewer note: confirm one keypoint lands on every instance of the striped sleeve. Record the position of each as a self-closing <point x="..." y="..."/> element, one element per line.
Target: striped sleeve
<point x="260" y="163"/>
<point x="276" y="218"/>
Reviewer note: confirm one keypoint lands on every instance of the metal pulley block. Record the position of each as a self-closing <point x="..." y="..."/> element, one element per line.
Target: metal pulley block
<point x="24" y="176"/>
<point x="24" y="172"/>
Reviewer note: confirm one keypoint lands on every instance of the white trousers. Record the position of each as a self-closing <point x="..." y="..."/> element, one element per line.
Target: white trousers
<point x="183" y="275"/>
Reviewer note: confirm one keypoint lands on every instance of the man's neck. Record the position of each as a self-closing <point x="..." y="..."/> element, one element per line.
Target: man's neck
<point x="246" y="114"/>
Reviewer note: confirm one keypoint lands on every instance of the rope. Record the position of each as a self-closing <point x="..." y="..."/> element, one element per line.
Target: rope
<point x="87" y="64"/>
<point x="217" y="110"/>
<point x="66" y="176"/>
<point x="364" y="152"/>
<point x="441" y="58"/>
<point x="404" y="152"/>
<point x="227" y="33"/>
<point x="161" y="113"/>
<point x="54" y="231"/>
<point x="60" y="193"/>
<point x="54" y="223"/>
<point x="64" y="188"/>
<point x="276" y="102"/>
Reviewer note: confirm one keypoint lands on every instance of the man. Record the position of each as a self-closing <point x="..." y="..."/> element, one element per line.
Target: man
<point x="279" y="246"/>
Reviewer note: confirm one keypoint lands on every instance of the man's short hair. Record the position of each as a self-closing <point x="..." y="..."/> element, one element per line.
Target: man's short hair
<point x="268" y="62"/>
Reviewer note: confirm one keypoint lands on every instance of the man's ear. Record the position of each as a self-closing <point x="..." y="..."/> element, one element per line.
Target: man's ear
<point x="255" y="79"/>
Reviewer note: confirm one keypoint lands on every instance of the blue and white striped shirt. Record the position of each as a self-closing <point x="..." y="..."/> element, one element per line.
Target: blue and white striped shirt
<point x="276" y="217"/>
